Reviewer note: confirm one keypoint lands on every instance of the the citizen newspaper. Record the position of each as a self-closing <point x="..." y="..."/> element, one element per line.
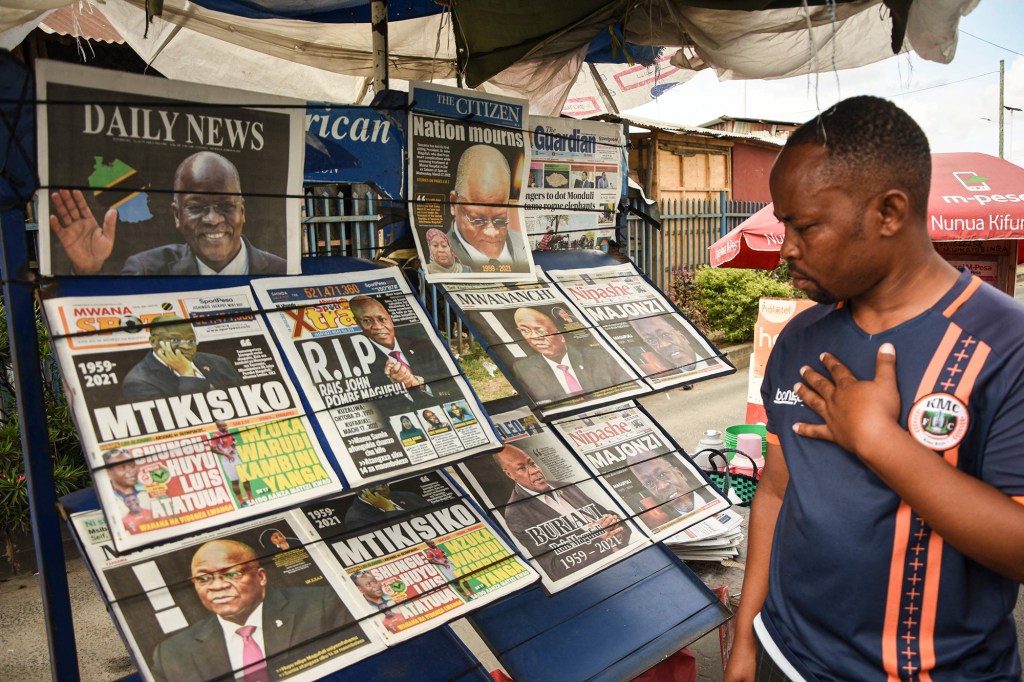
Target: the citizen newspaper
<point x="661" y="344"/>
<point x="574" y="184"/>
<point x="644" y="469"/>
<point x="416" y="553"/>
<point x="545" y="348"/>
<point x="245" y="600"/>
<point x="381" y="382"/>
<point x="186" y="414"/>
<point x="468" y="159"/>
<point x="559" y="516"/>
<point x="178" y="176"/>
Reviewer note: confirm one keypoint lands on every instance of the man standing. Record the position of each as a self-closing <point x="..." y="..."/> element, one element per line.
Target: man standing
<point x="209" y="212"/>
<point x="175" y="367"/>
<point x="535" y="501"/>
<point x="222" y="444"/>
<point x="887" y="533"/>
<point x="249" y="622"/>
<point x="480" y="209"/>
<point x="560" y="369"/>
<point x="414" y="363"/>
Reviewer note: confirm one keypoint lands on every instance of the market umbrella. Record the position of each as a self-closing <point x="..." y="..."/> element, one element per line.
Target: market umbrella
<point x="973" y="196"/>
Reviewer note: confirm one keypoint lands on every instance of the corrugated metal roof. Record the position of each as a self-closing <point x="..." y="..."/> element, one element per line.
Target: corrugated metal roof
<point x="650" y="124"/>
<point x="88" y="23"/>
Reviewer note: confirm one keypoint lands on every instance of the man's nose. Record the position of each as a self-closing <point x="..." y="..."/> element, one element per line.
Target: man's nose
<point x="789" y="250"/>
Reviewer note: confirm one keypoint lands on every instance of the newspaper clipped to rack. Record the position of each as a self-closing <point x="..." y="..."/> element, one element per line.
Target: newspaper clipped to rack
<point x="574" y="184"/>
<point x="415" y="552"/>
<point x="560" y="518"/>
<point x="383" y="386"/>
<point x="661" y="344"/>
<point x="643" y="468"/>
<point x="194" y="609"/>
<point x="186" y="413"/>
<point x="468" y="156"/>
<point x="545" y="348"/>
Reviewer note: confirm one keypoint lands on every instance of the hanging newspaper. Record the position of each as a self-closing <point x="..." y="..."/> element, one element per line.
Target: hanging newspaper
<point x="149" y="176"/>
<point x="561" y="519"/>
<point x="186" y="414"/>
<point x="661" y="344"/>
<point x="538" y="339"/>
<point x="416" y="553"/>
<point x="574" y="184"/>
<point x="384" y="388"/>
<point x="468" y="157"/>
<point x="644" y="469"/>
<point x="248" y="600"/>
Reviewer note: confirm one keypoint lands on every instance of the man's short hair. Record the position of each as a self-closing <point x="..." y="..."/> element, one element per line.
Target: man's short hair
<point x="116" y="452"/>
<point x="870" y="137"/>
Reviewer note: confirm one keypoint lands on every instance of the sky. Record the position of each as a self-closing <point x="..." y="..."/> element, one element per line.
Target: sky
<point x="949" y="101"/>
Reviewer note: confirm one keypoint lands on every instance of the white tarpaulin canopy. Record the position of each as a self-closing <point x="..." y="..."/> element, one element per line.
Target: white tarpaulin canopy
<point x="333" y="61"/>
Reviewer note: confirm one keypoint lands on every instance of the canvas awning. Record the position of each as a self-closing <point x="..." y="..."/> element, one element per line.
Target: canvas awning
<point x="587" y="57"/>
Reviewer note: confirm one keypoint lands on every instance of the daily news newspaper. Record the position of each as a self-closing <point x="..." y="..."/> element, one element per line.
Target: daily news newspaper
<point x="645" y="470"/>
<point x="574" y="184"/>
<point x="416" y="552"/>
<point x="384" y="388"/>
<point x="468" y="156"/>
<point x="154" y="162"/>
<point x="186" y="414"/>
<point x="186" y="607"/>
<point x="661" y="344"/>
<point x="544" y="347"/>
<point x="560" y="518"/>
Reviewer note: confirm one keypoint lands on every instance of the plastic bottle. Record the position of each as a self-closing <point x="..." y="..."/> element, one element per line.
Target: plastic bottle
<point x="711" y="438"/>
<point x="751" y="445"/>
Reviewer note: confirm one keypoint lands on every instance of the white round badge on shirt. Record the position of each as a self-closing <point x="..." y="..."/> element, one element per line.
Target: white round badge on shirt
<point x="939" y="421"/>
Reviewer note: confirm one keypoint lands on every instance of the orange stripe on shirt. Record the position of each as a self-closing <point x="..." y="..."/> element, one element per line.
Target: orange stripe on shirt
<point x="972" y="286"/>
<point x="901" y="534"/>
<point x="1018" y="499"/>
<point x="930" y="597"/>
<point x="890" y="643"/>
<point x="771" y="438"/>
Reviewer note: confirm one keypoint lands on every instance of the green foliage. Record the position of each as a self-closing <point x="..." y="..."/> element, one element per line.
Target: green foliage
<point x="728" y="297"/>
<point x="69" y="471"/>
<point x="684" y="293"/>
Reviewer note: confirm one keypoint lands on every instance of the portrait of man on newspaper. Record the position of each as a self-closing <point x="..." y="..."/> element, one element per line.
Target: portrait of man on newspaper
<point x="400" y="358"/>
<point x="209" y="215"/>
<point x="562" y="365"/>
<point x="250" y="623"/>
<point x="483" y="235"/>
<point x="539" y="510"/>
<point x="175" y="366"/>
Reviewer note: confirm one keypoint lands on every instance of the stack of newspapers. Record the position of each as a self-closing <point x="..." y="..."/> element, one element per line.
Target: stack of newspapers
<point x="715" y="538"/>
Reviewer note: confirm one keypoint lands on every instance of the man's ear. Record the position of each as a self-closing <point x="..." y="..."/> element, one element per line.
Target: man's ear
<point x="176" y="212"/>
<point x="893" y="210"/>
<point x="451" y="204"/>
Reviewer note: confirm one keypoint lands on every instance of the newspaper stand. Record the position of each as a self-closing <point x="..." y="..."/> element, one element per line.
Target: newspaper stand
<point x="613" y="625"/>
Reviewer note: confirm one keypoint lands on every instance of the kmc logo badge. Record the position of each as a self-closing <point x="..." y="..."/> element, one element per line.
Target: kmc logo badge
<point x="938" y="421"/>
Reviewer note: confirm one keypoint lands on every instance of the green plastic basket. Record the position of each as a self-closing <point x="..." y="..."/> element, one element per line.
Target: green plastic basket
<point x="743" y="485"/>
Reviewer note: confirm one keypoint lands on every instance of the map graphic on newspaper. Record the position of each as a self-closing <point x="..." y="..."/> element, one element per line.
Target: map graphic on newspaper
<point x="380" y="381"/>
<point x="185" y="607"/>
<point x="416" y="553"/>
<point x="542" y="344"/>
<point x="560" y="518"/>
<point x="661" y="344"/>
<point x="641" y="466"/>
<point x="186" y="413"/>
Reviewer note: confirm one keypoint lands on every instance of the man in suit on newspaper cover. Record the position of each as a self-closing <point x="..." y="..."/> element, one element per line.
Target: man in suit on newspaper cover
<point x="249" y="621"/>
<point x="536" y="501"/>
<point x="562" y="367"/>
